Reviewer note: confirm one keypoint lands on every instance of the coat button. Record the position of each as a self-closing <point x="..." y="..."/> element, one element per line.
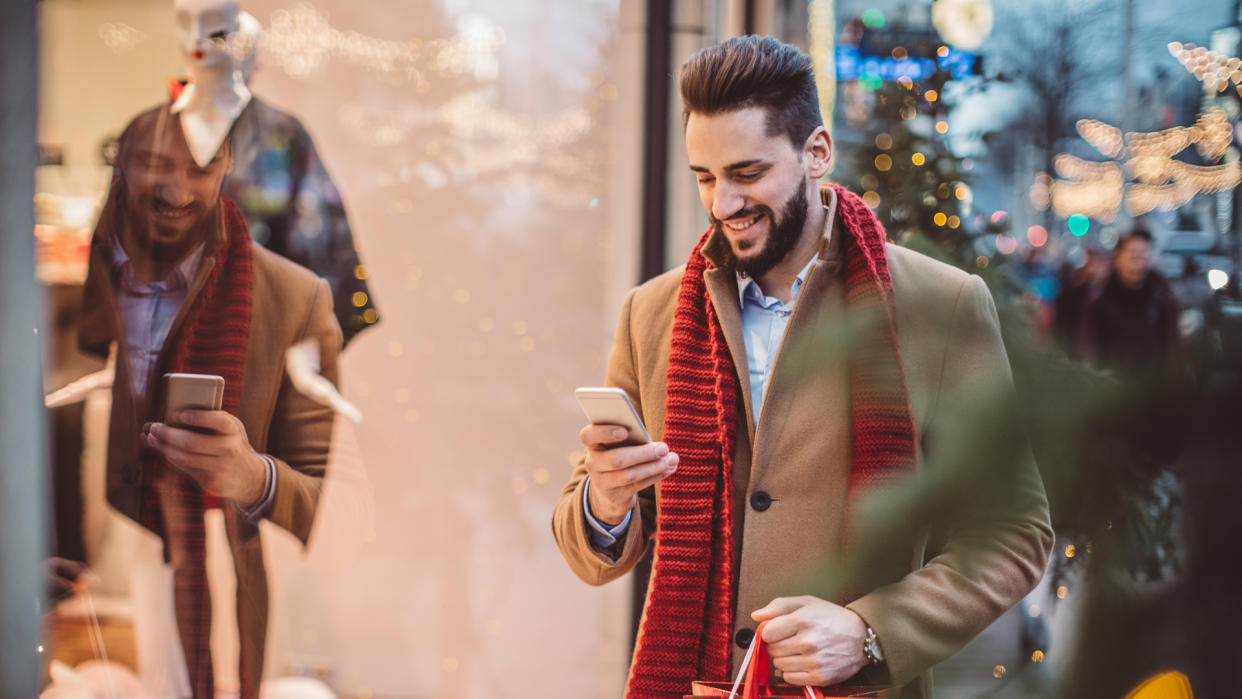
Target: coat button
<point x="760" y="500"/>
<point x="743" y="637"/>
<point x="129" y="473"/>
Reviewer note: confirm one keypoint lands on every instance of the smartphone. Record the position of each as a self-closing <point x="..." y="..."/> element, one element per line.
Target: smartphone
<point x="611" y="406"/>
<point x="191" y="392"/>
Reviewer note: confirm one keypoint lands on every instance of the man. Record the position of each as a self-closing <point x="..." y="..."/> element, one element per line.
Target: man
<point x="1132" y="324"/>
<point x="176" y="285"/>
<point x="769" y="439"/>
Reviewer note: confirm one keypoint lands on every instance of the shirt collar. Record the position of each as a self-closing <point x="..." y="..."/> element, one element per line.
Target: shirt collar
<point x="179" y="277"/>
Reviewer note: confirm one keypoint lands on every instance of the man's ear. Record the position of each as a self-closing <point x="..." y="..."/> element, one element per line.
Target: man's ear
<point x="817" y="152"/>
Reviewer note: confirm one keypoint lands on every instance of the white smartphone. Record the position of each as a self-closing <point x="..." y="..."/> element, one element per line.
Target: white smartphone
<point x="611" y="406"/>
<point x="191" y="392"/>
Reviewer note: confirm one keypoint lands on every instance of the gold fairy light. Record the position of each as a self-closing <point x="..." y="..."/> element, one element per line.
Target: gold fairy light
<point x="1149" y="178"/>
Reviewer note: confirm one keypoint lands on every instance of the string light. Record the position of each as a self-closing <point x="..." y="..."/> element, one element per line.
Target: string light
<point x="1149" y="178"/>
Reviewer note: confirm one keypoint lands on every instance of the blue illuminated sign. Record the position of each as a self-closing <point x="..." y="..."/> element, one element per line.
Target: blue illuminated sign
<point x="851" y="65"/>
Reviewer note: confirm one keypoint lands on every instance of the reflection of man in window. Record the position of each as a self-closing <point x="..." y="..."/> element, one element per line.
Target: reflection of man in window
<point x="177" y="284"/>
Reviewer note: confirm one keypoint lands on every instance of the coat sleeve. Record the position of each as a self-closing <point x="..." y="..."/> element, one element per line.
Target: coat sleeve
<point x="995" y="553"/>
<point x="301" y="431"/>
<point x="569" y="526"/>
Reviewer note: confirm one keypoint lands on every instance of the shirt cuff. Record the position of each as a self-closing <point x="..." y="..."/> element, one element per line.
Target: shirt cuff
<point x="602" y="535"/>
<point x="259" y="510"/>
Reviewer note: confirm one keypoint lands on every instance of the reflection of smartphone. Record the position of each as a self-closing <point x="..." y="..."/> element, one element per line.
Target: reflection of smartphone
<point x="611" y="406"/>
<point x="191" y="392"/>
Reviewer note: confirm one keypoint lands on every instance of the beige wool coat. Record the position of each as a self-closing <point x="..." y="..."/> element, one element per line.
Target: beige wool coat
<point x="290" y="304"/>
<point x="935" y="598"/>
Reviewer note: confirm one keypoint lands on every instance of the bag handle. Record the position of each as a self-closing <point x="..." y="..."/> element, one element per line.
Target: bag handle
<point x="758" y="668"/>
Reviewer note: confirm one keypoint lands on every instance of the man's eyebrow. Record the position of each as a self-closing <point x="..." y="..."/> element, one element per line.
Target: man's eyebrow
<point x="741" y="165"/>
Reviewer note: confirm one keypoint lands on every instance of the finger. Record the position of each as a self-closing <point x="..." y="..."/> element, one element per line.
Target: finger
<point x="777" y="607"/>
<point x="176" y="457"/>
<point x="215" y="420"/>
<point x="795" y="663"/>
<point x="790" y="646"/>
<point x="635" y="478"/>
<point x="601" y="437"/>
<point x="186" y="440"/>
<point x="622" y="458"/>
<point x="805" y="679"/>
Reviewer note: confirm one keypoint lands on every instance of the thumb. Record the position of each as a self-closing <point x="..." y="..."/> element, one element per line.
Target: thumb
<point x="778" y="607"/>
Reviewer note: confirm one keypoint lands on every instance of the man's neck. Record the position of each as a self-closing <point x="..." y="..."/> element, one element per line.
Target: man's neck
<point x="778" y="282"/>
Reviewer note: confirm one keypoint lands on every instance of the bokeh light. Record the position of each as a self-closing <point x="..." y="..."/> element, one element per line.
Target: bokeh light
<point x="1037" y="235"/>
<point x="883" y="141"/>
<point x="940" y="219"/>
<point x="918" y="159"/>
<point x="998" y="216"/>
<point x="1006" y="244"/>
<point x="1078" y="225"/>
<point x="873" y="18"/>
<point x="1217" y="279"/>
<point x="883" y="162"/>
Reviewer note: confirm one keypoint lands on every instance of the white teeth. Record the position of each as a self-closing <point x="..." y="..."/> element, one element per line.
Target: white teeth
<point x="743" y="225"/>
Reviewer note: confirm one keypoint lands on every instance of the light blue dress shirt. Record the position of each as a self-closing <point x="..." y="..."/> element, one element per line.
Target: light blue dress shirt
<point x="764" y="319"/>
<point x="147" y="311"/>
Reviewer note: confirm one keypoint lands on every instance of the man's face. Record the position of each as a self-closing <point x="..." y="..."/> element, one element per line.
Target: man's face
<point x="752" y="185"/>
<point x="166" y="190"/>
<point x="1133" y="260"/>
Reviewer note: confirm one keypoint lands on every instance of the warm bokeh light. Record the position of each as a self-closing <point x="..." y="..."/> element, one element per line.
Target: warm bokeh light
<point x="1037" y="235"/>
<point x="871" y="198"/>
<point x="998" y="216"/>
<point x="940" y="219"/>
<point x="883" y="141"/>
<point x="942" y="127"/>
<point x="1006" y="244"/>
<point x="931" y="96"/>
<point x="883" y="162"/>
<point x="918" y="159"/>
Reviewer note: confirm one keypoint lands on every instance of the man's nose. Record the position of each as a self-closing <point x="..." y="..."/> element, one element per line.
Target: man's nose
<point x="173" y="190"/>
<point x="726" y="201"/>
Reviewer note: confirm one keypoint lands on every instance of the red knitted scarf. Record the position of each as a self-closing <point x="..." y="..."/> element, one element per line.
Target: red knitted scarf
<point x="688" y="621"/>
<point x="212" y="340"/>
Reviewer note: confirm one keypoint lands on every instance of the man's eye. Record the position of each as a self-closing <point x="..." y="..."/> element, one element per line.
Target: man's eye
<point x="747" y="176"/>
<point x="705" y="180"/>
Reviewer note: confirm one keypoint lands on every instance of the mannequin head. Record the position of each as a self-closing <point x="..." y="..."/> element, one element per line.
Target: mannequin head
<point x="204" y="28"/>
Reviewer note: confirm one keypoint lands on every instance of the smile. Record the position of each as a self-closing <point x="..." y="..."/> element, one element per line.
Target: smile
<point x="173" y="212"/>
<point x="741" y="225"/>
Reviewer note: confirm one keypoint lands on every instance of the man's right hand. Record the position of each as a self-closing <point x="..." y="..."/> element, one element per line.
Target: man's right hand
<point x="619" y="473"/>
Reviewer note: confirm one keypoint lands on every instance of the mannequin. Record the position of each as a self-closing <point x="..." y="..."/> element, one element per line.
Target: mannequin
<point x="290" y="201"/>
<point x="216" y="94"/>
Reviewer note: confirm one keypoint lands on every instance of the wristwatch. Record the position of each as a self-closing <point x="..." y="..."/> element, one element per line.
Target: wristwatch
<point x="871" y="648"/>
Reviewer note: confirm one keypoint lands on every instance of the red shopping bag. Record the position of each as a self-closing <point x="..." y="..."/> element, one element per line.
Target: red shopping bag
<point x="755" y="683"/>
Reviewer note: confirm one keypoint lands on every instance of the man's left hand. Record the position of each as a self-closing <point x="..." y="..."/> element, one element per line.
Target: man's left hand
<point x="812" y="641"/>
<point x="219" y="458"/>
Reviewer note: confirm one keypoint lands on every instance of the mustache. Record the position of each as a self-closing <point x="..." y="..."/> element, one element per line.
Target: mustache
<point x="162" y="203"/>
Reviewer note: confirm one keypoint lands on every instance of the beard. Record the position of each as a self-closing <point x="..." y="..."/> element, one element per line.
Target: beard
<point x="783" y="234"/>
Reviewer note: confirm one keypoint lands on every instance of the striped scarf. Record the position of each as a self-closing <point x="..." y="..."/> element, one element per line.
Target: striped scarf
<point x="212" y="340"/>
<point x="688" y="621"/>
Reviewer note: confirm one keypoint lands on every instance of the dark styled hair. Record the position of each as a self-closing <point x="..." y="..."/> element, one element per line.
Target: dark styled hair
<point x="753" y="71"/>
